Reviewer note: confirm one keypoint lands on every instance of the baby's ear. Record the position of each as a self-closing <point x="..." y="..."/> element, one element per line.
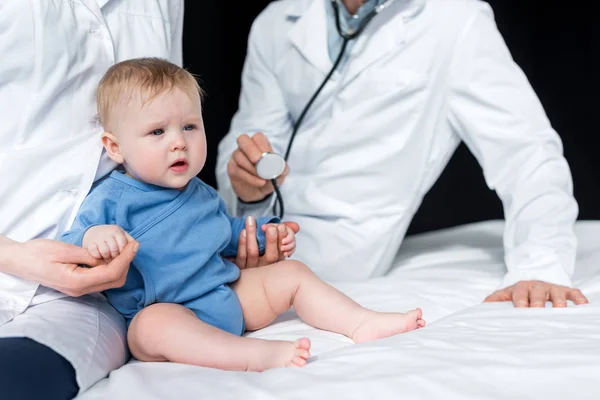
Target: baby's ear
<point x="112" y="147"/>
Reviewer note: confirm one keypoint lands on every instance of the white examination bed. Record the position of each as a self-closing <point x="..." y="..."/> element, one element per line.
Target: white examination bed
<point x="469" y="350"/>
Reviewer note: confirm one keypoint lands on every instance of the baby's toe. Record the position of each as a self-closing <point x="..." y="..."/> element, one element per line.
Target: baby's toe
<point x="299" y="361"/>
<point x="302" y="353"/>
<point x="303" y="343"/>
<point x="417" y="313"/>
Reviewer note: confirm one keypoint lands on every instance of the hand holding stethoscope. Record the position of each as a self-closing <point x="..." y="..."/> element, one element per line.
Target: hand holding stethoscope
<point x="253" y="165"/>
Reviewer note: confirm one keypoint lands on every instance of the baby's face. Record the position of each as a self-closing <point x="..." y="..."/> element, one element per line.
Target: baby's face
<point x="163" y="141"/>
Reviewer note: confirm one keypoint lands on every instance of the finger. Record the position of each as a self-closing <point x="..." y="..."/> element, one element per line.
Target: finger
<point x="281" y="235"/>
<point x="499" y="295"/>
<point x="104" y="250"/>
<point x="120" y="264"/>
<point x="244" y="176"/>
<point x="129" y="237"/>
<point x="577" y="297"/>
<point x="282" y="231"/>
<point x="93" y="249"/>
<point x="262" y="142"/>
<point x="520" y="296"/>
<point x="288" y="239"/>
<point x="249" y="148"/>
<point x="288" y="247"/>
<point x="242" y="254"/>
<point x="71" y="254"/>
<point x="558" y="297"/>
<point x="292" y="225"/>
<point x="538" y="294"/>
<point x="271" y="246"/>
<point x="122" y="241"/>
<point x="113" y="247"/>
<point x="252" y="253"/>
<point x="243" y="162"/>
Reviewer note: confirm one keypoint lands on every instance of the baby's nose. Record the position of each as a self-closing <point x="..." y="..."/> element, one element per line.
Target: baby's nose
<point x="179" y="143"/>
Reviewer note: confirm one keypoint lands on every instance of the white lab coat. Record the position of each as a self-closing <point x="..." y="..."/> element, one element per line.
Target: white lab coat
<point x="53" y="56"/>
<point x="424" y="75"/>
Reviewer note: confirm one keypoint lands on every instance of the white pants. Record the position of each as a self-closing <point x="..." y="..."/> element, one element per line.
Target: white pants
<point x="86" y="331"/>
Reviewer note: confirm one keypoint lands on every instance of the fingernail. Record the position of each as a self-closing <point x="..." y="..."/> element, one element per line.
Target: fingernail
<point x="243" y="232"/>
<point x="250" y="221"/>
<point x="136" y="247"/>
<point x="281" y="228"/>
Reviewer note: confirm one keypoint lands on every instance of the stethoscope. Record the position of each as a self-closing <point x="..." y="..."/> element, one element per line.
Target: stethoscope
<point x="271" y="165"/>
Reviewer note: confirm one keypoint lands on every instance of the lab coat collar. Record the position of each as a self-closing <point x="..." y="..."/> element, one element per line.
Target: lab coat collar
<point x="95" y="6"/>
<point x="309" y="34"/>
<point x="102" y="3"/>
<point x="296" y="8"/>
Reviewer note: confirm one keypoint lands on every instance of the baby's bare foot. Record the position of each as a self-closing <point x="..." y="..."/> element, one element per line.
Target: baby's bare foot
<point x="277" y="353"/>
<point x="377" y="325"/>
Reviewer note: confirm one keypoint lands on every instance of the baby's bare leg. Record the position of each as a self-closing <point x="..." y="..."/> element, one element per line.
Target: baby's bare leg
<point x="170" y="332"/>
<point x="268" y="291"/>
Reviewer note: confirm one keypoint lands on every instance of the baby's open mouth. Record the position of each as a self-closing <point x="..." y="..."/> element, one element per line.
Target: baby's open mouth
<point x="179" y="166"/>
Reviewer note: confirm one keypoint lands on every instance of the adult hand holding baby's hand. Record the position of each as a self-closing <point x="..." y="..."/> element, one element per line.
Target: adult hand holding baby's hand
<point x="57" y="265"/>
<point x="276" y="244"/>
<point x="105" y="242"/>
<point x="286" y="236"/>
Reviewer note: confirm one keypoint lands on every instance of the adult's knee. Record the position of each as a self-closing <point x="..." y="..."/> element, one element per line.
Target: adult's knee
<point x="30" y="370"/>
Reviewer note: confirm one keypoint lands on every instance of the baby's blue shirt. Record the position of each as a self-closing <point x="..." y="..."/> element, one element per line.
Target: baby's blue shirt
<point x="183" y="238"/>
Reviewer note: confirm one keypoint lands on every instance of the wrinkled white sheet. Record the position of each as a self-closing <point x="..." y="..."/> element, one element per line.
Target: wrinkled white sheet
<point x="469" y="350"/>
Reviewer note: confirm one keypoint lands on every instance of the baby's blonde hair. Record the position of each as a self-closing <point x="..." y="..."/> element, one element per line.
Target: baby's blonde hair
<point x="149" y="76"/>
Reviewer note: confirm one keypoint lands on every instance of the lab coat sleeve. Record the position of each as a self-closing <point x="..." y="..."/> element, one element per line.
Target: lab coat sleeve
<point x="261" y="108"/>
<point x="96" y="209"/>
<point x="176" y="56"/>
<point x="238" y="224"/>
<point x="496" y="112"/>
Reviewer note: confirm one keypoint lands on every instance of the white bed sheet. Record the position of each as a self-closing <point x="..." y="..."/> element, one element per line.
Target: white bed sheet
<point x="469" y="350"/>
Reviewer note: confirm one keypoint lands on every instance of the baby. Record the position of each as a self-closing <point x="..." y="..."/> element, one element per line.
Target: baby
<point x="183" y="300"/>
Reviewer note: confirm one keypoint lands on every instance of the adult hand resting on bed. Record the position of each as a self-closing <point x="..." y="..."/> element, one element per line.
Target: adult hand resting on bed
<point x="56" y="265"/>
<point x="536" y="294"/>
<point x="248" y="254"/>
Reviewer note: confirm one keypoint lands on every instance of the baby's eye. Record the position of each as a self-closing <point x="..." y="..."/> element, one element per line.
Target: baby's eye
<point x="157" y="132"/>
<point x="189" y="127"/>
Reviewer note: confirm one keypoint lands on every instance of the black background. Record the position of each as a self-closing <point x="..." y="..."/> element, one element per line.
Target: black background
<point x="557" y="45"/>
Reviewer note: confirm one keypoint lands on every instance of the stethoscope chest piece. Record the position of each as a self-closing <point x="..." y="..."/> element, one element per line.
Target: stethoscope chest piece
<point x="270" y="166"/>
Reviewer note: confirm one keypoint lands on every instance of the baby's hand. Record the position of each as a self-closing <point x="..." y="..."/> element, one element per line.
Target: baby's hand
<point x="287" y="237"/>
<point x="105" y="242"/>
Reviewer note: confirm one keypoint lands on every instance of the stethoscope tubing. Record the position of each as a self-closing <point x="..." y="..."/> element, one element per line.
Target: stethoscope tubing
<point x="346" y="36"/>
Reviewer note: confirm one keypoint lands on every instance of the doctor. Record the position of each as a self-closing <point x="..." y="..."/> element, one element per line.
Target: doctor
<point x="420" y="78"/>
<point x="54" y="54"/>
